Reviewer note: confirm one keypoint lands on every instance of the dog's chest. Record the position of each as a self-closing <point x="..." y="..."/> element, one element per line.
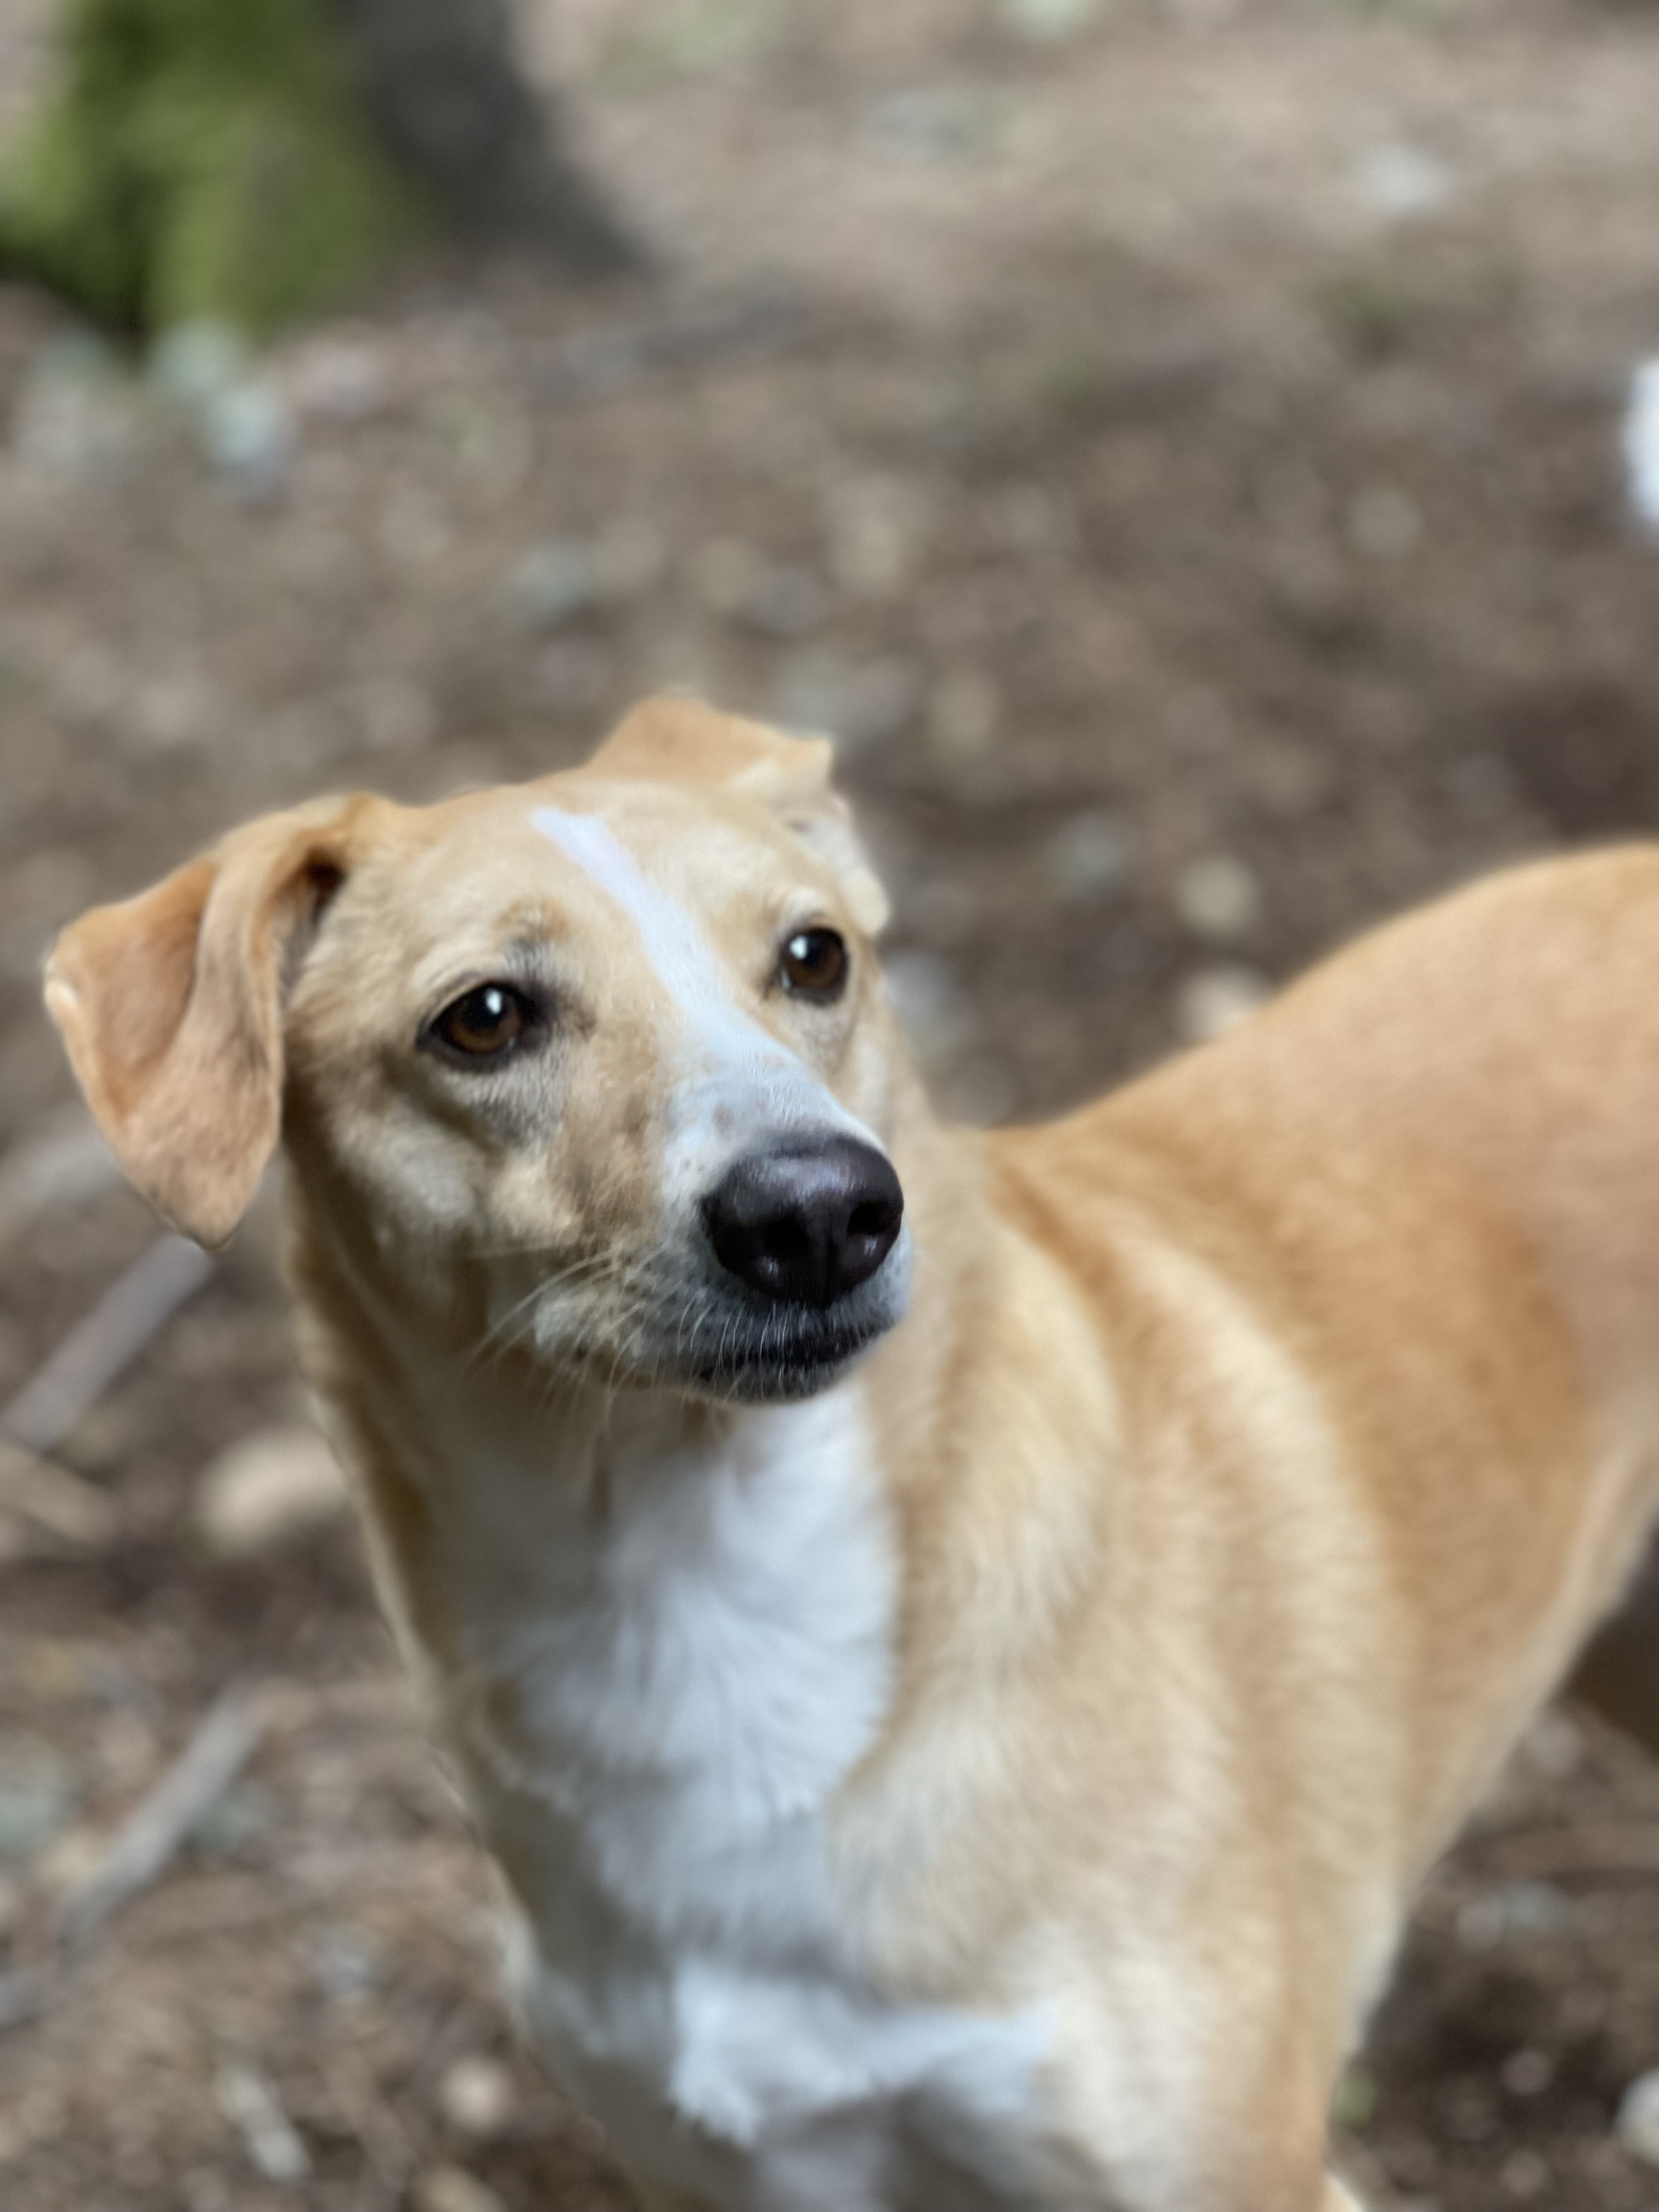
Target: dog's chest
<point x="674" y="1655"/>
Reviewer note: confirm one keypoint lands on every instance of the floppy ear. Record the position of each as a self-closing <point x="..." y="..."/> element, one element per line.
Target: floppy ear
<point x="171" y="1007"/>
<point x="685" y="741"/>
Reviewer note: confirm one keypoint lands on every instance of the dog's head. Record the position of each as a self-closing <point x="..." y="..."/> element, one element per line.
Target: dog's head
<point x="603" y="1061"/>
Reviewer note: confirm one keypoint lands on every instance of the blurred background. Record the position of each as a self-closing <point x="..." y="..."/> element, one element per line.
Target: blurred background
<point x="1175" y="445"/>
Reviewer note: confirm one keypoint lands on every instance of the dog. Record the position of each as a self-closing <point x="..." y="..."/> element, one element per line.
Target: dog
<point x="961" y="1645"/>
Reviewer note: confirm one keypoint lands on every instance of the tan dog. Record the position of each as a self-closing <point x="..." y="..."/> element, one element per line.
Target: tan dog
<point x="961" y="1708"/>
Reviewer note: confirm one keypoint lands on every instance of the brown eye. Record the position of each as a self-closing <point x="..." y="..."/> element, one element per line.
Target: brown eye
<point x="485" y="1023"/>
<point x="813" y="964"/>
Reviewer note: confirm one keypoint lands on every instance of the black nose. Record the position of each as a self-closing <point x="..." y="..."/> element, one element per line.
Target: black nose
<point x="808" y="1225"/>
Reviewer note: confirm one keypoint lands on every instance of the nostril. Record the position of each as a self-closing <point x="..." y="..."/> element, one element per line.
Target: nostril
<point x="876" y="1216"/>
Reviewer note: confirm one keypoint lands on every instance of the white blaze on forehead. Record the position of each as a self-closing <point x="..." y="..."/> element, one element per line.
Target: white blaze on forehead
<point x="685" y="965"/>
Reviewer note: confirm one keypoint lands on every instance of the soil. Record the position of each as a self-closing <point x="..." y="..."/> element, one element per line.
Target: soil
<point x="1194" y="440"/>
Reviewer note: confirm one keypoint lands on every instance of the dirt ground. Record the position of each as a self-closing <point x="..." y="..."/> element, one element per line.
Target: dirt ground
<point x="1179" y="460"/>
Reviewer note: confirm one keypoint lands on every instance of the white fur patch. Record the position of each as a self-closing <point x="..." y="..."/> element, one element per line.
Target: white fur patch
<point x="694" y="1670"/>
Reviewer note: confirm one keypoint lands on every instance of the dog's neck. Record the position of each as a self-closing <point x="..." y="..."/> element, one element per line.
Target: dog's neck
<point x="669" y="1590"/>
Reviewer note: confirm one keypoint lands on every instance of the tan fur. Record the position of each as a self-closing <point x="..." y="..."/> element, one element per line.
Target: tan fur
<point x="1260" y="1442"/>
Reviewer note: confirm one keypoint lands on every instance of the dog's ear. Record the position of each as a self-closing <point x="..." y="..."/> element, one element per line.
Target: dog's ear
<point x="685" y="741"/>
<point x="171" y="1007"/>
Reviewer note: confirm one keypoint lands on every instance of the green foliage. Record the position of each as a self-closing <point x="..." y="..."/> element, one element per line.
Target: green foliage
<point x="203" y="158"/>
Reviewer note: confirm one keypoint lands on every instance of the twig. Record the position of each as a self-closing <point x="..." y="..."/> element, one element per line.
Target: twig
<point x="249" y="2101"/>
<point x="132" y="1311"/>
<point x="146" y="1843"/>
<point x="65" y="1506"/>
<point x="600" y="362"/>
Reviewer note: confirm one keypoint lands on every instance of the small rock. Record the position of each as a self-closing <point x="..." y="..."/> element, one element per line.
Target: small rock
<point x="1637" y="2126"/>
<point x="935" y="122"/>
<point x="554" y="581"/>
<point x="1641" y="441"/>
<point x="1527" y="2073"/>
<point x="963" y="710"/>
<point x="249" y="2101"/>
<point x="452" y="2189"/>
<point x="1047" y="21"/>
<point x="248" y="434"/>
<point x="346" y="1965"/>
<point x="273" y="1487"/>
<point x="1215" y="999"/>
<point x="1219" y="898"/>
<point x="1397" y="180"/>
<point x="476" y="2096"/>
<point x="193" y="362"/>
<point x="1088" y="858"/>
<point x="1525" y="2175"/>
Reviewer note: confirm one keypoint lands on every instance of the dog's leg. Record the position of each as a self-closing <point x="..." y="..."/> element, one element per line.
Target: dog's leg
<point x="1339" y="2198"/>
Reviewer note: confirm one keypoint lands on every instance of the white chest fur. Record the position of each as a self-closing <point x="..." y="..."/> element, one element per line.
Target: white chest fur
<point x="675" y="1644"/>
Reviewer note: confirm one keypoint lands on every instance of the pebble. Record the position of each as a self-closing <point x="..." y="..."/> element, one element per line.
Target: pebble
<point x="476" y="2096"/>
<point x="194" y="362"/>
<point x="1527" y="2073"/>
<point x="1219" y="898"/>
<point x="935" y="122"/>
<point x="1047" y="21"/>
<point x="1525" y="2175"/>
<point x="1397" y="180"/>
<point x="270" y="1489"/>
<point x="1088" y="858"/>
<point x="1637" y="2125"/>
<point x="553" y="581"/>
<point x="1213" y="1000"/>
<point x="452" y="2189"/>
<point x="248" y="433"/>
<point x="1641" y="443"/>
<point x="249" y="2101"/>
